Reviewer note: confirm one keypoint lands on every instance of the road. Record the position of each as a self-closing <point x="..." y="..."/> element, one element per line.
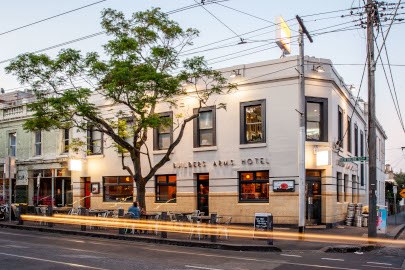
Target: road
<point x="37" y="250"/>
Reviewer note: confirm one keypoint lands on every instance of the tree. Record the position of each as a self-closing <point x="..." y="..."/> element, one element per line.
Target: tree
<point x="137" y="74"/>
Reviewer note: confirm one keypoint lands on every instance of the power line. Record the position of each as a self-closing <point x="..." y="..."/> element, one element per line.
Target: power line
<point x="52" y="17"/>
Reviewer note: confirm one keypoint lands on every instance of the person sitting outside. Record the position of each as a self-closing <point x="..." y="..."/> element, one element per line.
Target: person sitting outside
<point x="135" y="211"/>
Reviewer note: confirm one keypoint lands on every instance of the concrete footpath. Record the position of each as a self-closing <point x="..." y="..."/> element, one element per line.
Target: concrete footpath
<point x="332" y="241"/>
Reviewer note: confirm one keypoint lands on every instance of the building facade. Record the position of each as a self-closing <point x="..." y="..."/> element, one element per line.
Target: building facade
<point x="244" y="160"/>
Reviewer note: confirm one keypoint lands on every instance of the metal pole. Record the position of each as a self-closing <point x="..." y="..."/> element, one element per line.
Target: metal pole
<point x="9" y="187"/>
<point x="395" y="208"/>
<point x="372" y="200"/>
<point x="301" y="139"/>
<point x="53" y="187"/>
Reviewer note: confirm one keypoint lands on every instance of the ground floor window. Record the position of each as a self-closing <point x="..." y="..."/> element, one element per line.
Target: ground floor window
<point x="254" y="186"/>
<point x="166" y="188"/>
<point x="118" y="188"/>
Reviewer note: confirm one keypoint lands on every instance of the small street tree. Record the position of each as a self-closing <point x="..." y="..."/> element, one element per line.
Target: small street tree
<point x="136" y="74"/>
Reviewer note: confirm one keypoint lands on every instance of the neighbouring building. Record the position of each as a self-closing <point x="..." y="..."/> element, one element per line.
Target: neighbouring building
<point x="242" y="160"/>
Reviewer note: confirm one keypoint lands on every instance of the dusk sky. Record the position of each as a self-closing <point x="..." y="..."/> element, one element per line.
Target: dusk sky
<point x="346" y="49"/>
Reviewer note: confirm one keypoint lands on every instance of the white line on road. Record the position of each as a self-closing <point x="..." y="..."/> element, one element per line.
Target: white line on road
<point x="380" y="263"/>
<point x="385" y="267"/>
<point x="291" y="255"/>
<point x="200" y="267"/>
<point x="51" y="261"/>
<point x="332" y="259"/>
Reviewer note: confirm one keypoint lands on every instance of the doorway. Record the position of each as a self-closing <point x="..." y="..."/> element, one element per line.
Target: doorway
<point x="87" y="192"/>
<point x="203" y="193"/>
<point x="313" y="197"/>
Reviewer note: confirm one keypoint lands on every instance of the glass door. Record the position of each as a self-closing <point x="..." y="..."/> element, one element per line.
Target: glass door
<point x="314" y="198"/>
<point x="203" y="193"/>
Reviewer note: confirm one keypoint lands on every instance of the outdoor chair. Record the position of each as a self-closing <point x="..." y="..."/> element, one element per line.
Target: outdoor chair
<point x="195" y="228"/>
<point x="224" y="227"/>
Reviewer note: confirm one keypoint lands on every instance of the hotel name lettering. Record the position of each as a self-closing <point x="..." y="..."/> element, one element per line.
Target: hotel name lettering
<point x="221" y="163"/>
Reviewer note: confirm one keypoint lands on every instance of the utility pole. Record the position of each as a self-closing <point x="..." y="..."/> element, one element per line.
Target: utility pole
<point x="302" y="139"/>
<point x="372" y="184"/>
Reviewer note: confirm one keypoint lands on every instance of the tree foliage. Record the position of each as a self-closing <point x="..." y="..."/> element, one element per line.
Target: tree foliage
<point x="143" y="53"/>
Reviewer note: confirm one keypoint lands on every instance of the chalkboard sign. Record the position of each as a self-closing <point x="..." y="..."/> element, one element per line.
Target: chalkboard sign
<point x="264" y="222"/>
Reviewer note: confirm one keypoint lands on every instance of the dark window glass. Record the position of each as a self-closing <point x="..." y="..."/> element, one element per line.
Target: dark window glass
<point x="338" y="180"/>
<point x="118" y="188"/>
<point x="316" y="119"/>
<point x="254" y="186"/>
<point x="38" y="143"/>
<point x="164" y="134"/>
<point x="12" y="138"/>
<point x="94" y="141"/>
<point x="253" y="122"/>
<point x="345" y="187"/>
<point x="66" y="138"/>
<point x="165" y="186"/>
<point x="349" y="134"/>
<point x="356" y="140"/>
<point x="362" y="154"/>
<point x="340" y="126"/>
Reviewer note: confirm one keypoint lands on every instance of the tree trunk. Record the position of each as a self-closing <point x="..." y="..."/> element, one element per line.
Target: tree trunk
<point x="140" y="194"/>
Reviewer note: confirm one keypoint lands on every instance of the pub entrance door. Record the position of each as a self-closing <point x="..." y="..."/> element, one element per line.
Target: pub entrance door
<point x="87" y="192"/>
<point x="313" y="191"/>
<point x="203" y="193"/>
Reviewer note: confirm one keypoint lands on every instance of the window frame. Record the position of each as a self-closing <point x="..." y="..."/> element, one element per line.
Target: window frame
<point x="338" y="179"/>
<point x="37" y="143"/>
<point x="117" y="184"/>
<point x="65" y="141"/>
<point x="91" y="140"/>
<point x="242" y="121"/>
<point x="167" y="184"/>
<point x="12" y="148"/>
<point x="196" y="127"/>
<point x="323" y="121"/>
<point x="156" y="132"/>
<point x="253" y="181"/>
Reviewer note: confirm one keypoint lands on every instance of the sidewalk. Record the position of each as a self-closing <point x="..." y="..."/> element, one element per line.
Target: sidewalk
<point x="395" y="229"/>
<point x="334" y="242"/>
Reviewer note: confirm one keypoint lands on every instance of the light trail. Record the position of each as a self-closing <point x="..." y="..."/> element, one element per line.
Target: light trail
<point x="203" y="229"/>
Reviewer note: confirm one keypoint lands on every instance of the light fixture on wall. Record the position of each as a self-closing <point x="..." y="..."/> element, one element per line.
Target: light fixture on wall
<point x="318" y="68"/>
<point x="75" y="165"/>
<point x="235" y="73"/>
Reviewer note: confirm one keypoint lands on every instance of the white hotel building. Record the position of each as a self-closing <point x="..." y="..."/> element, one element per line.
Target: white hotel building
<point x="244" y="160"/>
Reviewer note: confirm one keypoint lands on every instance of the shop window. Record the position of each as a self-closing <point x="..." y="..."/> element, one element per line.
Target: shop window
<point x="253" y="122"/>
<point x="338" y="180"/>
<point x="345" y="187"/>
<point x="12" y="144"/>
<point x="166" y="188"/>
<point x="163" y="136"/>
<point x="118" y="189"/>
<point x="205" y="127"/>
<point x="94" y="141"/>
<point x="316" y="119"/>
<point x="38" y="143"/>
<point x="65" y="140"/>
<point x="254" y="186"/>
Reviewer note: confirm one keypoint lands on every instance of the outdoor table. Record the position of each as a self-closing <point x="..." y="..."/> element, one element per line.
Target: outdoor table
<point x="97" y="212"/>
<point x="61" y="210"/>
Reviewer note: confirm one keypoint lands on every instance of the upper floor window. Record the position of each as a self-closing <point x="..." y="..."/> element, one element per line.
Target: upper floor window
<point x="362" y="171"/>
<point x="65" y="140"/>
<point x="12" y="144"/>
<point x="253" y="122"/>
<point x="163" y="136"/>
<point x="340" y="126"/>
<point x="316" y="119"/>
<point x="205" y="127"/>
<point x="349" y="134"/>
<point x="254" y="186"/>
<point x="94" y="141"/>
<point x="356" y="140"/>
<point x="38" y="143"/>
<point x="166" y="188"/>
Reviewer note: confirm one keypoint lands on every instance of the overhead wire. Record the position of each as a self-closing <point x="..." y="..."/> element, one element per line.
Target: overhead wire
<point x="52" y="17"/>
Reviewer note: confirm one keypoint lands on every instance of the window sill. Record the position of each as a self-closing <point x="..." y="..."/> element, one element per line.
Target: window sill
<point x="205" y="148"/>
<point x="37" y="157"/>
<point x="95" y="156"/>
<point x="253" y="202"/>
<point x="161" y="152"/>
<point x="252" y="145"/>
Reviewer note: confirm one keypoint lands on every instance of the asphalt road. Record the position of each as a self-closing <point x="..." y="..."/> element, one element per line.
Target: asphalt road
<point x="36" y="250"/>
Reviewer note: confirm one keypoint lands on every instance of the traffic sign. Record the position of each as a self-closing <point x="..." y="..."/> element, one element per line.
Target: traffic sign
<point x="402" y="193"/>
<point x="354" y="159"/>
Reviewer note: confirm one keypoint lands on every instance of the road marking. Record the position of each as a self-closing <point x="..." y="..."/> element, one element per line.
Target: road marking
<point x="250" y="259"/>
<point x="333" y="259"/>
<point x="380" y="263"/>
<point x="14" y="246"/>
<point x="385" y="267"/>
<point x="291" y="255"/>
<point x="200" y="267"/>
<point x="51" y="261"/>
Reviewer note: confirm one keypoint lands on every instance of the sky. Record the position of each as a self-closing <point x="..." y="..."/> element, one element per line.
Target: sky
<point x="346" y="49"/>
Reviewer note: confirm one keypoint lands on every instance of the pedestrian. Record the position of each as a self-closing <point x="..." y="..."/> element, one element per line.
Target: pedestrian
<point x="134" y="211"/>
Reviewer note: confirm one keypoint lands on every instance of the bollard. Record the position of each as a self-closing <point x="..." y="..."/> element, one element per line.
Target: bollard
<point x="213" y="223"/>
<point x="270" y="229"/>
<point x="83" y="212"/>
<point x="20" y="212"/>
<point x="121" y="215"/>
<point x="49" y="213"/>
<point x="164" y="218"/>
